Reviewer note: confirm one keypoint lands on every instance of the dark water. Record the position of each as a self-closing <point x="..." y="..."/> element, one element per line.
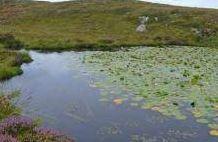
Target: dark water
<point x="57" y="89"/>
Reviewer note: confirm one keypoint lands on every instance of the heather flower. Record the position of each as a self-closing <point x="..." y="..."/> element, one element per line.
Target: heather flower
<point x="15" y="128"/>
<point x="14" y="124"/>
<point x="51" y="134"/>
<point x="47" y="131"/>
<point x="7" y="138"/>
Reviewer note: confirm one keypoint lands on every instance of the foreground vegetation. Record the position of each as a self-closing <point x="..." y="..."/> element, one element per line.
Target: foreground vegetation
<point x="171" y="80"/>
<point x="106" y="24"/>
<point x="10" y="58"/>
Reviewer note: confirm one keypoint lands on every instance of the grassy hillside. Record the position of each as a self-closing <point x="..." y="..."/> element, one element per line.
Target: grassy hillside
<point x="93" y="23"/>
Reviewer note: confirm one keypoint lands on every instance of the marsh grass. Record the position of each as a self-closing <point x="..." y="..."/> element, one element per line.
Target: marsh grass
<point x="10" y="62"/>
<point x="10" y="58"/>
<point x="7" y="106"/>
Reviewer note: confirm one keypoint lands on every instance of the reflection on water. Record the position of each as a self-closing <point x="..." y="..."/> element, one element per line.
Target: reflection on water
<point x="189" y="3"/>
<point x="62" y="95"/>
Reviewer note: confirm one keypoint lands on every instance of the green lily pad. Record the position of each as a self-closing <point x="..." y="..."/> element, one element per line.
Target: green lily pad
<point x="167" y="80"/>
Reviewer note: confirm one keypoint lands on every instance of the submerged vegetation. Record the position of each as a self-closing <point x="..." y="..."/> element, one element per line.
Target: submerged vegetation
<point x="172" y="80"/>
<point x="106" y="24"/>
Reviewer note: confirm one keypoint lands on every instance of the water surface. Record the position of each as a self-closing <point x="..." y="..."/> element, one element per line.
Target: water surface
<point x="57" y="89"/>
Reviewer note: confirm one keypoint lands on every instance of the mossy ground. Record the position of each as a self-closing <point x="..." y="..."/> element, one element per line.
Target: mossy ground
<point x="95" y="24"/>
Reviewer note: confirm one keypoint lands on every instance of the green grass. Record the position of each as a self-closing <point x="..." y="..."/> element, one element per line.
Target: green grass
<point x="9" y="64"/>
<point x="92" y="24"/>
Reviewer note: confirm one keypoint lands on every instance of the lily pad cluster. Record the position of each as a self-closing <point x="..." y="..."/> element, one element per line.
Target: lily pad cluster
<point x="174" y="81"/>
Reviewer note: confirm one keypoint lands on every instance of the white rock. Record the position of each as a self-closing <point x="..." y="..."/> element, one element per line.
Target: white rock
<point x="141" y="28"/>
<point x="143" y="19"/>
<point x="156" y="19"/>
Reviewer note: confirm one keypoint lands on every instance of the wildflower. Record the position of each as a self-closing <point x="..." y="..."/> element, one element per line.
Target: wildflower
<point x="14" y="124"/>
<point x="7" y="138"/>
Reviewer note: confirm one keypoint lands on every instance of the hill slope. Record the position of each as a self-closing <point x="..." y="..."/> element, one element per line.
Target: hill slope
<point x="95" y="23"/>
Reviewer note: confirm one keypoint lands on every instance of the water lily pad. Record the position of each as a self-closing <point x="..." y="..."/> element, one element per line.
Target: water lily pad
<point x="213" y="126"/>
<point x="168" y="80"/>
<point x="118" y="101"/>
<point x="203" y="121"/>
<point x="214" y="133"/>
